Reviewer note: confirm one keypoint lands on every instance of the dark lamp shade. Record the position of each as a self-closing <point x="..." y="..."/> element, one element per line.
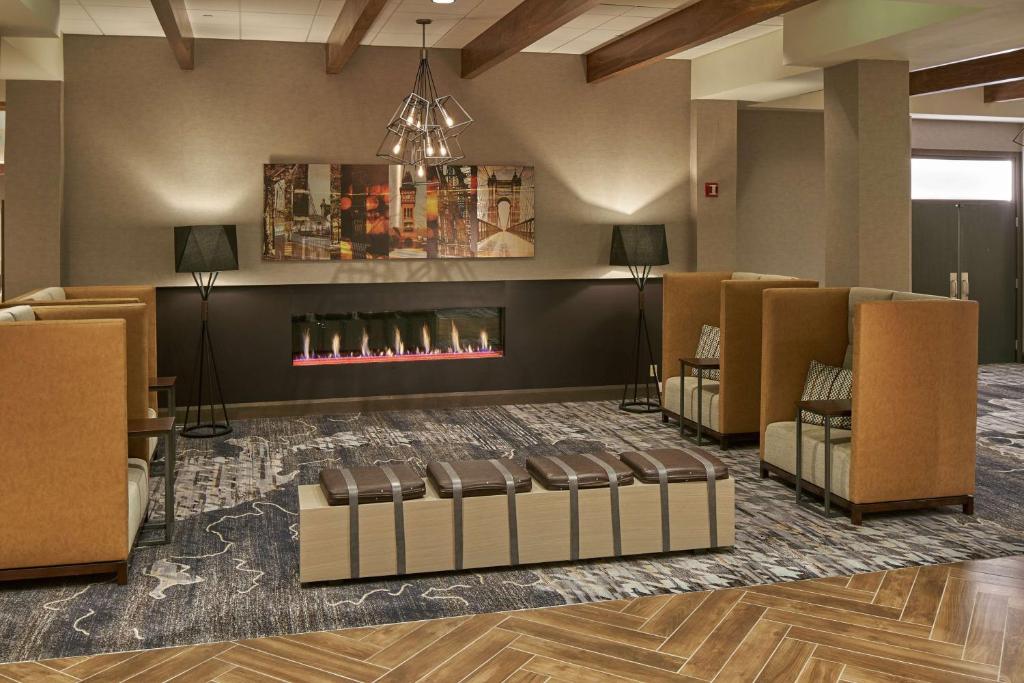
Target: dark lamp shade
<point x="205" y="248"/>
<point x="639" y="245"/>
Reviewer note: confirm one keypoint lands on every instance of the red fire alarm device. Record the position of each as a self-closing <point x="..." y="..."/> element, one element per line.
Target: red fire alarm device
<point x="710" y="189"/>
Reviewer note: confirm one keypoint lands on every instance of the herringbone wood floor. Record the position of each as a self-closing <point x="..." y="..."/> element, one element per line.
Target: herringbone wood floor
<point x="960" y="622"/>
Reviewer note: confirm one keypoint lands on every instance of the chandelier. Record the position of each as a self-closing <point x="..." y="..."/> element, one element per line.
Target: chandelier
<point x="425" y="129"/>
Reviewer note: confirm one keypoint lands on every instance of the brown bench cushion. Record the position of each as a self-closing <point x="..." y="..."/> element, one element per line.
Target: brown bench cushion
<point x="680" y="465"/>
<point x="372" y="483"/>
<point x="478" y="477"/>
<point x="589" y="474"/>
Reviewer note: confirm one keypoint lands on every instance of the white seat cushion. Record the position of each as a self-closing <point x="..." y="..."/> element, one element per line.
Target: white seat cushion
<point x="16" y="314"/>
<point x="153" y="441"/>
<point x="780" y="450"/>
<point x="138" y="497"/>
<point x="709" y="416"/>
<point x="48" y="294"/>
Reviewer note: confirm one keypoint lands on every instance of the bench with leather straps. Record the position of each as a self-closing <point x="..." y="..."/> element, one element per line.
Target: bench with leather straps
<point x="383" y="521"/>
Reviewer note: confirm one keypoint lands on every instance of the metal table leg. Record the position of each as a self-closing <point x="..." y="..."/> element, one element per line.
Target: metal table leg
<point x="700" y="404"/>
<point x="828" y="467"/>
<point x="170" y="473"/>
<point x="682" y="401"/>
<point x="799" y="474"/>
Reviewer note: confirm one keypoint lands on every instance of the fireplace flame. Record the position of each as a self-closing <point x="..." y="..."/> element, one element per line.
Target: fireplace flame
<point x="485" y="343"/>
<point x="456" y="346"/>
<point x="365" y="346"/>
<point x="336" y="346"/>
<point x="305" y="343"/>
<point x="399" y="346"/>
<point x="426" y="338"/>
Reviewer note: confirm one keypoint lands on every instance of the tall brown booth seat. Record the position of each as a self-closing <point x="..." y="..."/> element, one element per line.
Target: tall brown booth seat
<point x="71" y="500"/>
<point x="915" y="385"/>
<point x="100" y="294"/>
<point x="731" y="302"/>
<point x="135" y="317"/>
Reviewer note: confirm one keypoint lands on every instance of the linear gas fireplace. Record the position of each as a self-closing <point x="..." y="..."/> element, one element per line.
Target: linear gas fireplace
<point x="398" y="336"/>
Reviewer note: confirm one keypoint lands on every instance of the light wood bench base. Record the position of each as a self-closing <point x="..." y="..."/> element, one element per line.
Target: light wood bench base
<point x="543" y="522"/>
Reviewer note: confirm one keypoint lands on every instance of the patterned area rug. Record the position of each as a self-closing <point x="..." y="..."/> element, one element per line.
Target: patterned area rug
<point x="232" y="570"/>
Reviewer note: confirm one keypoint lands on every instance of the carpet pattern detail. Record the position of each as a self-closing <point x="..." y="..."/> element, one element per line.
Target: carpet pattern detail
<point x="231" y="572"/>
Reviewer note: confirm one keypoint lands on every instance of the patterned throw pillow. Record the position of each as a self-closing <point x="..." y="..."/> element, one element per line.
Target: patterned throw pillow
<point x="707" y="347"/>
<point x="826" y="383"/>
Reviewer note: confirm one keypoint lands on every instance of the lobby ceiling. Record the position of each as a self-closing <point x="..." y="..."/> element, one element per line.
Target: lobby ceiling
<point x="779" y="58"/>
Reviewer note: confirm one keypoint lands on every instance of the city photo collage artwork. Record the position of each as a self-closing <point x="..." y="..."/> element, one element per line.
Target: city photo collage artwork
<point x="339" y="212"/>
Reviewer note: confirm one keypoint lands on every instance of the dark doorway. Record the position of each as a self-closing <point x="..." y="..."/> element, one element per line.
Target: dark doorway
<point x="966" y="240"/>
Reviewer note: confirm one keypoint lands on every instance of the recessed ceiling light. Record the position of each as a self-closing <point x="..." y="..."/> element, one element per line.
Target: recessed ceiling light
<point x="444" y="2"/>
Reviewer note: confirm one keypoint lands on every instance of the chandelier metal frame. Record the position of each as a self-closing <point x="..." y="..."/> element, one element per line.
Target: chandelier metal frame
<point x="424" y="131"/>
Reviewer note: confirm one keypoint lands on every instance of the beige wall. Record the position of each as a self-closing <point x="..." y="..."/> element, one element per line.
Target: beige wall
<point x="34" y="159"/>
<point x="713" y="158"/>
<point x="973" y="136"/>
<point x="781" y="193"/>
<point x="150" y="146"/>
<point x="867" y="174"/>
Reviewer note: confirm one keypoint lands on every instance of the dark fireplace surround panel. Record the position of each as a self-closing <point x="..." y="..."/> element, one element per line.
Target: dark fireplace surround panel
<point x="557" y="333"/>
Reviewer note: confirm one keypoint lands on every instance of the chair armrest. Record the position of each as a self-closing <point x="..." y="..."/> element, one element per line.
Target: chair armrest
<point x="63" y="494"/>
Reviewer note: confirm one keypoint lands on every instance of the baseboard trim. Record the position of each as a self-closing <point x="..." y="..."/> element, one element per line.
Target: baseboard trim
<point x="462" y="399"/>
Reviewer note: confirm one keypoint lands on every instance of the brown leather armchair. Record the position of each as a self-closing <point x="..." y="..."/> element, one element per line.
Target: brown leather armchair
<point x="915" y="387"/>
<point x="731" y="302"/>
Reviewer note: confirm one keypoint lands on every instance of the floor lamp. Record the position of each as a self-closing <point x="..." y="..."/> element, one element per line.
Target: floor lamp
<point x="205" y="251"/>
<point x="640" y="247"/>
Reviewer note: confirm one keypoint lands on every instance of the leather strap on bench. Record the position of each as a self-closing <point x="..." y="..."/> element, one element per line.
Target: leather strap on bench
<point x="456" y="512"/>
<point x="613" y="491"/>
<point x="666" y="535"/>
<point x="709" y="469"/>
<point x="353" y="523"/>
<point x="396" y="499"/>
<point x="513" y="521"/>
<point x="574" y="506"/>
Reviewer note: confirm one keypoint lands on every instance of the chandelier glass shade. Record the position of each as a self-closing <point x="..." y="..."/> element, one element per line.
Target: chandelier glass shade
<point x="426" y="126"/>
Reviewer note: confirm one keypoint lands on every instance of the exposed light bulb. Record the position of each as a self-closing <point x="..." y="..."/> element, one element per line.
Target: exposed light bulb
<point x="430" y="147"/>
<point x="398" y="145"/>
<point x="420" y="171"/>
<point x="444" y="152"/>
<point x="448" y="121"/>
<point x="410" y="118"/>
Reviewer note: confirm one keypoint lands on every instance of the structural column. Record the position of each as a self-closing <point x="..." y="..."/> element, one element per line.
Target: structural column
<point x="34" y="168"/>
<point x="867" y="175"/>
<point x="713" y="159"/>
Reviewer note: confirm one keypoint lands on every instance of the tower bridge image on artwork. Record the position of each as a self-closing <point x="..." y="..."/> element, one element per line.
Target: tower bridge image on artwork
<point x="340" y="212"/>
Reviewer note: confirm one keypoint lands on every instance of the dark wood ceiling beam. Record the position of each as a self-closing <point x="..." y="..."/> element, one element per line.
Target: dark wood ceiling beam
<point x="523" y="26"/>
<point x="349" y="30"/>
<point x="687" y="28"/>
<point x="1005" y="66"/>
<point x="1005" y="92"/>
<point x="178" y="29"/>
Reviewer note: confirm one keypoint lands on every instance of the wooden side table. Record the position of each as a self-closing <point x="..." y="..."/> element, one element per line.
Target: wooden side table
<point x="160" y="427"/>
<point x="827" y="410"/>
<point x="701" y="364"/>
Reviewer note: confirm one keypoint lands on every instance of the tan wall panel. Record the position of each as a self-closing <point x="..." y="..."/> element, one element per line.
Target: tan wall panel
<point x="781" y="226"/>
<point x="34" y="163"/>
<point x="150" y="146"/>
